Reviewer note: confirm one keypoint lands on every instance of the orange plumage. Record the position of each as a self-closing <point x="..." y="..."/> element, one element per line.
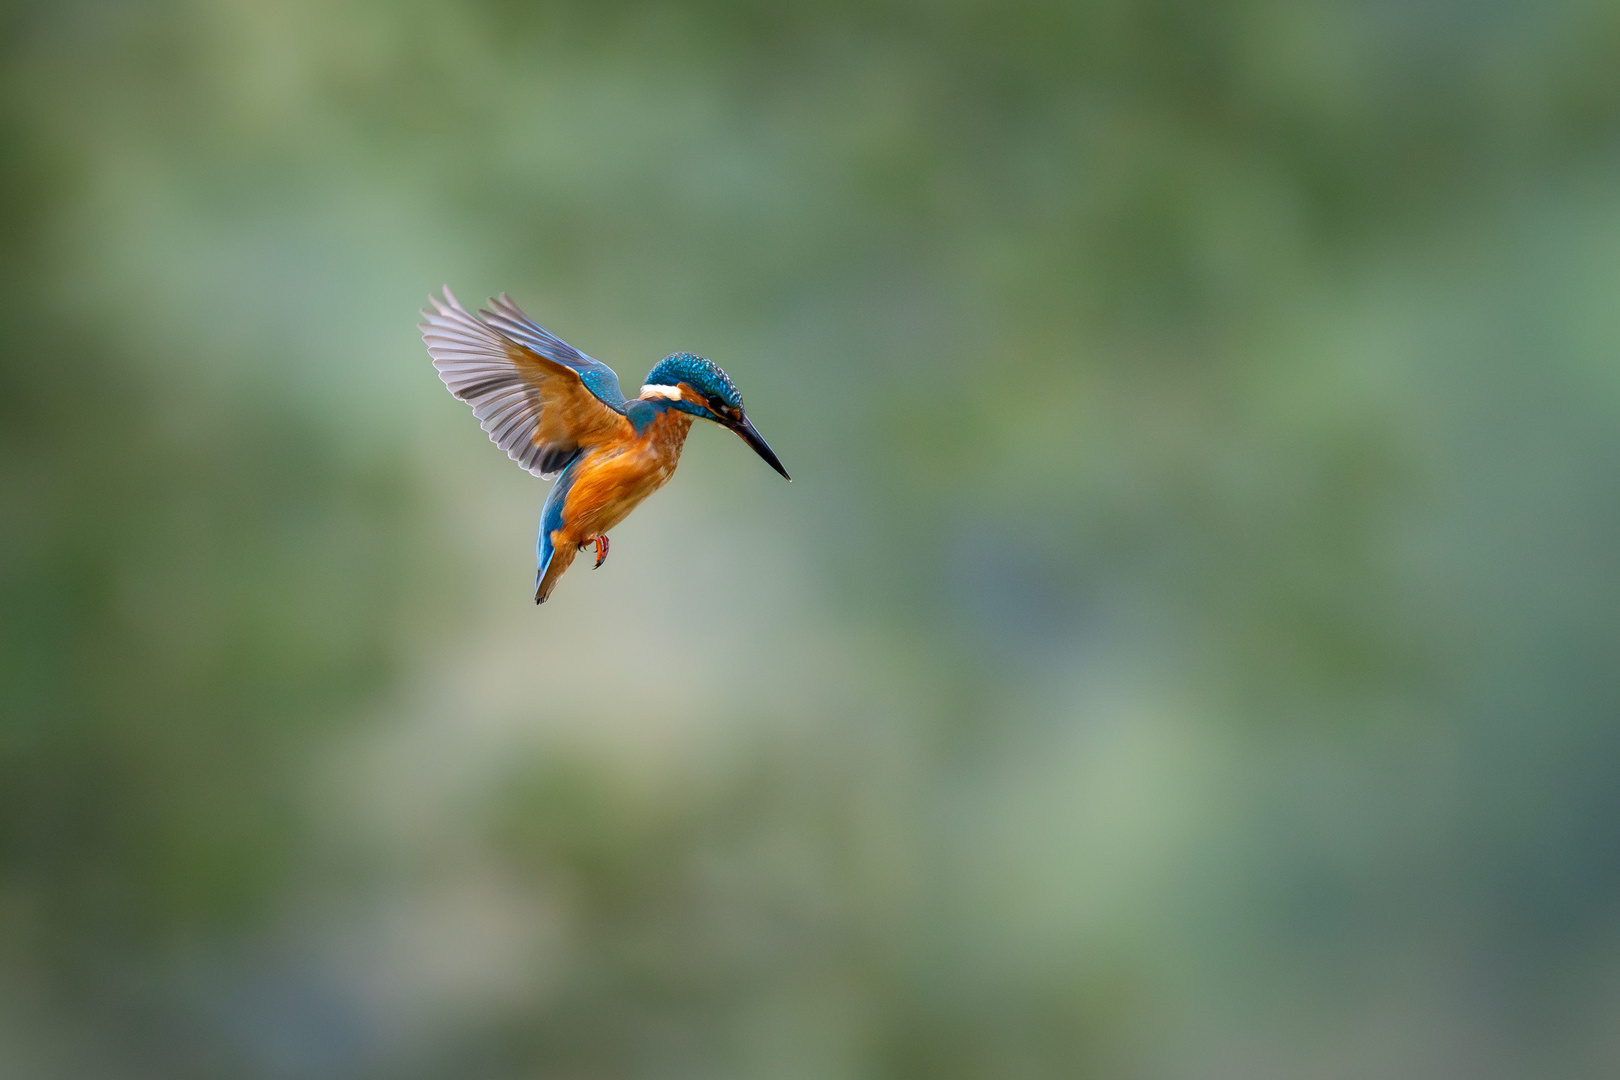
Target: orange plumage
<point x="612" y="480"/>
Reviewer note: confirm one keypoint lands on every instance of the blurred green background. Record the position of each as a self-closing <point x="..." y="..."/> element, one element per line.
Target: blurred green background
<point x="1190" y="646"/>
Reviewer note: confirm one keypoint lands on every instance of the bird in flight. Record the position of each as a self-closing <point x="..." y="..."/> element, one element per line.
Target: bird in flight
<point x="559" y="413"/>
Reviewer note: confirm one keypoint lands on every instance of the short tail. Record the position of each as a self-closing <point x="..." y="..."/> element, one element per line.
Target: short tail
<point x="546" y="578"/>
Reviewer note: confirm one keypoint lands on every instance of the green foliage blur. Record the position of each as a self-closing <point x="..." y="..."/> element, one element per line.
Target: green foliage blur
<point x="1189" y="648"/>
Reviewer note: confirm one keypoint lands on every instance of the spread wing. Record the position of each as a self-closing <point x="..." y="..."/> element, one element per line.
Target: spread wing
<point x="539" y="398"/>
<point x="598" y="378"/>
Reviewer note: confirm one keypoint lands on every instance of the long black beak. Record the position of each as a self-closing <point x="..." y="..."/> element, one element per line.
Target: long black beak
<point x="745" y="428"/>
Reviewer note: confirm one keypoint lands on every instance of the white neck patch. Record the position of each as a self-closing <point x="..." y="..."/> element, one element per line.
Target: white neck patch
<point x="673" y="393"/>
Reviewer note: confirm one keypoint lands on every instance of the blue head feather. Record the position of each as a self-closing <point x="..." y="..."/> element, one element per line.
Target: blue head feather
<point x="702" y="375"/>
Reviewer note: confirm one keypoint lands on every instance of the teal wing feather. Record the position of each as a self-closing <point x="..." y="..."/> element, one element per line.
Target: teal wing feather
<point x="598" y="378"/>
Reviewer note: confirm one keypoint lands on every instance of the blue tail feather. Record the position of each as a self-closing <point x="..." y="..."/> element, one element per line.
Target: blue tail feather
<point x="551" y="519"/>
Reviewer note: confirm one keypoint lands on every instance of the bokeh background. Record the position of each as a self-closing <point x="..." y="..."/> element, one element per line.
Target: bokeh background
<point x="1190" y="646"/>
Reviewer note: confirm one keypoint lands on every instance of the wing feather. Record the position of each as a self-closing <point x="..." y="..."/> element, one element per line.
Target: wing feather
<point x="538" y="397"/>
<point x="599" y="379"/>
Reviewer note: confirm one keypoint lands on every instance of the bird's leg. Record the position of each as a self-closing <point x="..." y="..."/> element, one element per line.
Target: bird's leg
<point x="601" y="543"/>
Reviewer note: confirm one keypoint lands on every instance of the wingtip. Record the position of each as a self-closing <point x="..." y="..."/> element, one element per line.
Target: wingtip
<point x="440" y="307"/>
<point x="447" y="305"/>
<point x="500" y="307"/>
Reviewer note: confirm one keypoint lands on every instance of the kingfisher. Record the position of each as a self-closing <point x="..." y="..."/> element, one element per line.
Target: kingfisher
<point x="560" y="414"/>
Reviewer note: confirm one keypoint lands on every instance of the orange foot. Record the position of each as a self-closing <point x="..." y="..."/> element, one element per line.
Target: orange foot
<point x="601" y="543"/>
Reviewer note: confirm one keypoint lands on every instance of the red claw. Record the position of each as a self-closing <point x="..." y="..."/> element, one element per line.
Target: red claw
<point x="601" y="551"/>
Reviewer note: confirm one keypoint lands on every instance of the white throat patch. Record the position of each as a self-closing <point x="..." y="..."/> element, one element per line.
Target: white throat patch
<point x="673" y="393"/>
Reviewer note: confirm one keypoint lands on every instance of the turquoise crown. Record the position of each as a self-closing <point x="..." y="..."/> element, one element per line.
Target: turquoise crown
<point x="700" y="374"/>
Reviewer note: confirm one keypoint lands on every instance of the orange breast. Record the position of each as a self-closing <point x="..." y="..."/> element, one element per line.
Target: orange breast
<point x="614" y="478"/>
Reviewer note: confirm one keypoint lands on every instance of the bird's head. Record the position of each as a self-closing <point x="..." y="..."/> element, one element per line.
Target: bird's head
<point x="698" y="386"/>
